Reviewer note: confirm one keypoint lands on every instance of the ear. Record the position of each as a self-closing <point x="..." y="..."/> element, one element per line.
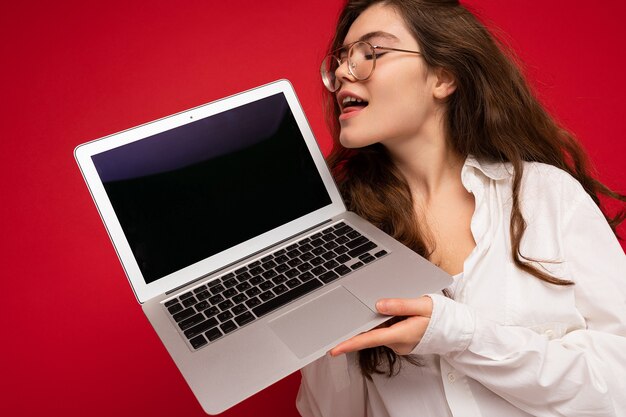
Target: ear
<point x="445" y="84"/>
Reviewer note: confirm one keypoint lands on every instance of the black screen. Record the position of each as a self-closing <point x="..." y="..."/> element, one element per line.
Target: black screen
<point x="196" y="190"/>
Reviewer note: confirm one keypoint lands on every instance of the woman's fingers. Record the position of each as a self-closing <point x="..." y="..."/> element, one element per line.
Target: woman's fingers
<point x="401" y="336"/>
<point x="422" y="306"/>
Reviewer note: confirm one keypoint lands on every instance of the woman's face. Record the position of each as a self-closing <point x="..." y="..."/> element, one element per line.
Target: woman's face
<point x="398" y="97"/>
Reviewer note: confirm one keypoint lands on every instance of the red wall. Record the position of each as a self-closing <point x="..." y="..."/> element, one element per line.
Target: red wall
<point x="74" y="341"/>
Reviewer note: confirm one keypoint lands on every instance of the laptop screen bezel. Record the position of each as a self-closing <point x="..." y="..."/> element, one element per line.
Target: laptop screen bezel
<point x="146" y="291"/>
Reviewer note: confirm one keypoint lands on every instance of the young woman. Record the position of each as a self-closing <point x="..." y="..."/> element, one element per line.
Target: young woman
<point x="439" y="142"/>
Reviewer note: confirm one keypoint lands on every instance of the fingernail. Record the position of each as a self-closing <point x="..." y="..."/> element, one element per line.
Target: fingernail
<point x="381" y="306"/>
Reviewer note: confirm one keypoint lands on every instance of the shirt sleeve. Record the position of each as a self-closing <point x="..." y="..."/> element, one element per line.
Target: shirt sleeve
<point x="578" y="374"/>
<point x="332" y="387"/>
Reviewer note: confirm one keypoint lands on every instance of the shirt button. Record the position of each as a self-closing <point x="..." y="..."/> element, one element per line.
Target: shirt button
<point x="451" y="377"/>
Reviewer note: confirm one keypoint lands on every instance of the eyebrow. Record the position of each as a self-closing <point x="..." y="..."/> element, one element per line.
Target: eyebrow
<point x="376" y="34"/>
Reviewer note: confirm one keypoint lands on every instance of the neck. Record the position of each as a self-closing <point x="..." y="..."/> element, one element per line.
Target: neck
<point x="429" y="165"/>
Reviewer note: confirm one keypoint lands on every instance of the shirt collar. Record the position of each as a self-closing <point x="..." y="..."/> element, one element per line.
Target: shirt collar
<point x="495" y="170"/>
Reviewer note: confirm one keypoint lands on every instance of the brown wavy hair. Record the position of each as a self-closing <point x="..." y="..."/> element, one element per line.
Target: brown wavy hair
<point x="493" y="115"/>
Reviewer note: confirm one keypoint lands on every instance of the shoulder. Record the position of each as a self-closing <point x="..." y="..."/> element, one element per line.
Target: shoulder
<point x="544" y="181"/>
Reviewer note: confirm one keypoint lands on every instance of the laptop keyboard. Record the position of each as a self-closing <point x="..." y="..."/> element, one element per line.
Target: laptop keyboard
<point x="208" y="312"/>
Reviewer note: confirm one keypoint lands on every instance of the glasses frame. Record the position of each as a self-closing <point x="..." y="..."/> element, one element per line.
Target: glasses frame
<point x="348" y="48"/>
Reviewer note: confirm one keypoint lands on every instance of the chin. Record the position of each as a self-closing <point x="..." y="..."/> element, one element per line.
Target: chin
<point x="354" y="141"/>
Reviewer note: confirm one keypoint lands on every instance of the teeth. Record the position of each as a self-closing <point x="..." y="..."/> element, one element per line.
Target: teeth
<point x="351" y="100"/>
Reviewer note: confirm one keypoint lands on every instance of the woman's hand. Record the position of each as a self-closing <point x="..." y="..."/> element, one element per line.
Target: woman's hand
<point x="401" y="337"/>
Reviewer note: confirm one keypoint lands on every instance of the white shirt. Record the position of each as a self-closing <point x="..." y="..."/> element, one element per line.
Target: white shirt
<point x="508" y="344"/>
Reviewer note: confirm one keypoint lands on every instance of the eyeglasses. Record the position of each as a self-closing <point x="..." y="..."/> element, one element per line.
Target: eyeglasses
<point x="361" y="57"/>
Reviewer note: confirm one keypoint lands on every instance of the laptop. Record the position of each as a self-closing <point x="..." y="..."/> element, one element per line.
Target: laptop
<point x="237" y="244"/>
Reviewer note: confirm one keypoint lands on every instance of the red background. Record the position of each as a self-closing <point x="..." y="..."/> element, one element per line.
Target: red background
<point x="74" y="340"/>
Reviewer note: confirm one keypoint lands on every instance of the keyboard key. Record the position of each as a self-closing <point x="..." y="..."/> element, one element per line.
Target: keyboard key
<point x="226" y="315"/>
<point x="267" y="258"/>
<point x="342" y="239"/>
<point x="198" y="342"/>
<point x="282" y="268"/>
<point x="184" y="314"/>
<point x="305" y="248"/>
<point x="342" y="270"/>
<point x="253" y="291"/>
<point x="230" y="283"/>
<point x="294" y="282"/>
<point x="280" y="252"/>
<point x="294" y="253"/>
<point x="186" y="295"/>
<point x="216" y="299"/>
<point x="319" y="251"/>
<point x="318" y="270"/>
<point x="244" y="318"/>
<point x="257" y="271"/>
<point x="201" y="328"/>
<point x="362" y="249"/>
<point x="188" y="302"/>
<point x="256" y="280"/>
<point x="281" y="259"/>
<point x="211" y="311"/>
<point x="191" y="321"/>
<point x="231" y="292"/>
<point x="225" y="305"/>
<point x="244" y="276"/>
<point x="343" y="258"/>
<point x="329" y="255"/>
<point x="228" y="326"/>
<point x="332" y="264"/>
<point x="200" y="289"/>
<point x="294" y="262"/>
<point x="292" y="273"/>
<point x="369" y="258"/>
<point x="175" y="308"/>
<point x="253" y="302"/>
<point x="269" y="274"/>
<point x="329" y="276"/>
<point x="353" y="234"/>
<point x="287" y="297"/>
<point x="306" y="276"/>
<point x="254" y="264"/>
<point x="241" y="270"/>
<point x="171" y="302"/>
<point x="307" y="256"/>
<point x="318" y="261"/>
<point x="343" y="230"/>
<point x="279" y="279"/>
<point x="269" y="265"/>
<point x="267" y="295"/>
<point x="279" y="289"/>
<point x="305" y="267"/>
<point x="266" y="285"/>
<point x="217" y="289"/>
<point x="239" y="298"/>
<point x="292" y="247"/>
<point x="202" y="305"/>
<point x="357" y="242"/>
<point x="203" y="295"/>
<point x="381" y="253"/>
<point x="244" y="286"/>
<point x="356" y="265"/>
<point x="341" y="250"/>
<point x="213" y="334"/>
<point x="238" y="309"/>
<point x="316" y="243"/>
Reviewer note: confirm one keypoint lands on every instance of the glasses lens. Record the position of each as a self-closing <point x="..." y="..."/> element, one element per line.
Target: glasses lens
<point x="361" y="60"/>
<point x="329" y="66"/>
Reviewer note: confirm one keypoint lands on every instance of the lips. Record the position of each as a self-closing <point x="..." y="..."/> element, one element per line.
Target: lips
<point x="350" y="104"/>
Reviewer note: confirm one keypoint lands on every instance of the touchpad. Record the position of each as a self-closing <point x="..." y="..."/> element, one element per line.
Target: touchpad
<point x="322" y="321"/>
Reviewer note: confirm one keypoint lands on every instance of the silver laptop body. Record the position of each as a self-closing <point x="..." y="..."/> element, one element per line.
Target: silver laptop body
<point x="235" y="240"/>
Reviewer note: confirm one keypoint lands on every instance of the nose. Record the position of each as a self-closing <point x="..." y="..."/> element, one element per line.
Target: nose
<point x="343" y="72"/>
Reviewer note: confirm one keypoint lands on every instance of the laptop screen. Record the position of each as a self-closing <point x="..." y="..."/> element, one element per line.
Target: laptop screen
<point x="188" y="193"/>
